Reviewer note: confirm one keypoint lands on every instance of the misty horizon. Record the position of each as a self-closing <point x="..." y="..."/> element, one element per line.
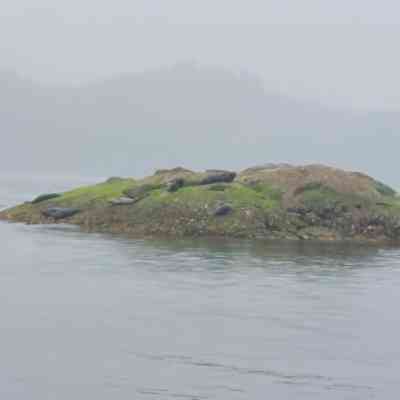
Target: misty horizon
<point x="189" y="115"/>
<point x="15" y="75"/>
<point x="131" y="87"/>
<point x="339" y="54"/>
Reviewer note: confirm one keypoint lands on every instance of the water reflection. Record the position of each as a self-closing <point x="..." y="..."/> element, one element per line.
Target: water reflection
<point x="219" y="255"/>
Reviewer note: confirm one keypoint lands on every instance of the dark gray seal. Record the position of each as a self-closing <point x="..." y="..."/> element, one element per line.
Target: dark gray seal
<point x="217" y="176"/>
<point x="138" y="193"/>
<point x="45" y="197"/>
<point x="122" y="201"/>
<point x="222" y="209"/>
<point x="175" y="184"/>
<point x="59" y="212"/>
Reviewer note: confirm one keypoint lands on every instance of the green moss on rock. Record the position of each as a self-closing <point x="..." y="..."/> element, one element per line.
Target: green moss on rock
<point x="100" y="193"/>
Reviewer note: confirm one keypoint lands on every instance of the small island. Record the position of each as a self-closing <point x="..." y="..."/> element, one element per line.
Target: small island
<point x="273" y="201"/>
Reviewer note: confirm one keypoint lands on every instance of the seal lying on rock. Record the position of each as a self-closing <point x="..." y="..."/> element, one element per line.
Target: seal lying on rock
<point x="222" y="209"/>
<point x="44" y="197"/>
<point x="175" y="184"/>
<point x="217" y="176"/>
<point x="140" y="192"/>
<point x="122" y="201"/>
<point x="59" y="212"/>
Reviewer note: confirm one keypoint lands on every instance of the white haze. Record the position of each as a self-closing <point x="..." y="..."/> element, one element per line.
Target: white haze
<point x="198" y="83"/>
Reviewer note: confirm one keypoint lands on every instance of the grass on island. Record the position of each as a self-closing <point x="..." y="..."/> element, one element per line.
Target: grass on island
<point x="102" y="193"/>
<point x="80" y="197"/>
<point x="235" y="194"/>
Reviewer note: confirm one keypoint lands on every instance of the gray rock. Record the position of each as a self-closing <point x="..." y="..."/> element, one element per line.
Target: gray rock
<point x="175" y="184"/>
<point x="59" y="212"/>
<point x="122" y="201"/>
<point x="217" y="176"/>
<point x="222" y="209"/>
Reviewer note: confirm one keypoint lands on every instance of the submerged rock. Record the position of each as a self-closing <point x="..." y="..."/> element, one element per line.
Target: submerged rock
<point x="60" y="212"/>
<point x="45" y="197"/>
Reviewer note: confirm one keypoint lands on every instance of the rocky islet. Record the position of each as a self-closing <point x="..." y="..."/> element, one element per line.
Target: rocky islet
<point x="272" y="201"/>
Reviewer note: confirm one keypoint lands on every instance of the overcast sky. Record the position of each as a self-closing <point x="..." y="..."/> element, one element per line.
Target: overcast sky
<point x="342" y="52"/>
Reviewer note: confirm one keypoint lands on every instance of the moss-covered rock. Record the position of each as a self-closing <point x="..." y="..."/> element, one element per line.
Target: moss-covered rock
<point x="273" y="201"/>
<point x="293" y="180"/>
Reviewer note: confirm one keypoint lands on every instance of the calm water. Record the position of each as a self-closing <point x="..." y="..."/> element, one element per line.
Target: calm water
<point x="101" y="317"/>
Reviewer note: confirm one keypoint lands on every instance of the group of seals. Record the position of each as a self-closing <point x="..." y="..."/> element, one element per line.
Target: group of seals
<point x="136" y="194"/>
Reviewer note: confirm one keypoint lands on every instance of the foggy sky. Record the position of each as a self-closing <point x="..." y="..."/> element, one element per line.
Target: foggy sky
<point x="341" y="53"/>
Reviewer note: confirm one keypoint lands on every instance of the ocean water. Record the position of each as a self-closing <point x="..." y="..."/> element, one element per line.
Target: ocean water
<point x="88" y="316"/>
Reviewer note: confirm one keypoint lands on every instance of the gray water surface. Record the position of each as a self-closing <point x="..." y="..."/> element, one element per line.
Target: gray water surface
<point x="88" y="316"/>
